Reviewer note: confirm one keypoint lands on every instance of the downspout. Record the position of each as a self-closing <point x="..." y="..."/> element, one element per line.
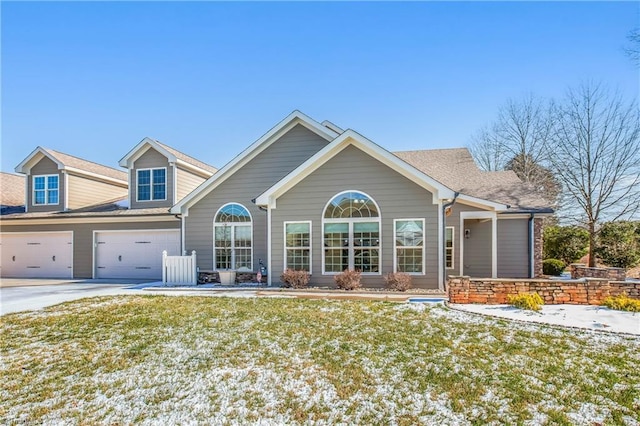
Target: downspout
<point x="531" y="248"/>
<point x="445" y="206"/>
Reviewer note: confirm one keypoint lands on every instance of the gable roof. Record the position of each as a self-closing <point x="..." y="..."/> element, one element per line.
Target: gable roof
<point x="347" y="138"/>
<point x="71" y="163"/>
<point x="12" y="190"/>
<point x="172" y="154"/>
<point x="457" y="169"/>
<point x="290" y="121"/>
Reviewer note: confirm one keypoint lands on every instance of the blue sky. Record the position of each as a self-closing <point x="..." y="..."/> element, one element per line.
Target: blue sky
<point x="209" y="78"/>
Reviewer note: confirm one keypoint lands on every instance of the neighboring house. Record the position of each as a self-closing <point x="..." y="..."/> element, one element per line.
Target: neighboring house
<point x="86" y="220"/>
<point x="11" y="193"/>
<point x="309" y="195"/>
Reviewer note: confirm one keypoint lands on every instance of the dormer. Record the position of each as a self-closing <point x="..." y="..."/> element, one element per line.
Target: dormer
<point x="160" y="176"/>
<point x="58" y="182"/>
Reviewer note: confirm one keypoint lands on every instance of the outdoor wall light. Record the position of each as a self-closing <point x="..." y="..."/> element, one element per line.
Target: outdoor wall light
<point x="467" y="233"/>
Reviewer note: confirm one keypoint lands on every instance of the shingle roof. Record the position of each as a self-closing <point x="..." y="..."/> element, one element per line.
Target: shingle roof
<point x="112" y="208"/>
<point x="11" y="189"/>
<point x="456" y="169"/>
<point x="187" y="158"/>
<point x="87" y="166"/>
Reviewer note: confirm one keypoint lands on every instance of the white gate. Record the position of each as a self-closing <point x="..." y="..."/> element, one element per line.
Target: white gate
<point x="179" y="269"/>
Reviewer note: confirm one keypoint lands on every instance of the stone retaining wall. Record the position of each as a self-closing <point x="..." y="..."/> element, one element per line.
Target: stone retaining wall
<point x="580" y="270"/>
<point x="463" y="289"/>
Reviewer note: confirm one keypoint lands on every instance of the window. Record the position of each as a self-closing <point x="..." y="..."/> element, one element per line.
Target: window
<point x="448" y="247"/>
<point x="152" y="184"/>
<point x="45" y="190"/>
<point x="297" y="236"/>
<point x="351" y="233"/>
<point x="233" y="238"/>
<point x="409" y="245"/>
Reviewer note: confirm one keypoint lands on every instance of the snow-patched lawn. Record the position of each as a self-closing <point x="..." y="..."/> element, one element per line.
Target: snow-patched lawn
<point x="198" y="360"/>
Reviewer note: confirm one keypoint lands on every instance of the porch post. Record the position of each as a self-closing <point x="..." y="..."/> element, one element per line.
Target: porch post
<point x="494" y="245"/>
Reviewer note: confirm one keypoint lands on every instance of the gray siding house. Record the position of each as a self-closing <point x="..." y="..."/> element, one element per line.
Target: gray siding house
<point x="306" y="195"/>
<point x="309" y="195"/>
<point x="85" y="220"/>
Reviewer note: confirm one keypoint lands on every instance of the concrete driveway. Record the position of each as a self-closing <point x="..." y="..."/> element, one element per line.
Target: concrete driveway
<point x="25" y="295"/>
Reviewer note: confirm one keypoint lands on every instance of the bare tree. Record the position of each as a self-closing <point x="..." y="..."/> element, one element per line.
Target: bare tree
<point x="516" y="142"/>
<point x="595" y="152"/>
<point x="633" y="50"/>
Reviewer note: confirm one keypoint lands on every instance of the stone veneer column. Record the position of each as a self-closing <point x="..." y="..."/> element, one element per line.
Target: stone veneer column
<point x="537" y="247"/>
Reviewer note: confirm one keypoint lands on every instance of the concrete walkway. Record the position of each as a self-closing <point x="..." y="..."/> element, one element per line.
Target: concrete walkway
<point x="18" y="295"/>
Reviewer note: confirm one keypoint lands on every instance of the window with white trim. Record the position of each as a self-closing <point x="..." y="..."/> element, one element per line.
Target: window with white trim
<point x="233" y="238"/>
<point x="351" y="234"/>
<point x="297" y="237"/>
<point x="46" y="190"/>
<point x="409" y="245"/>
<point x="448" y="246"/>
<point x="152" y="184"/>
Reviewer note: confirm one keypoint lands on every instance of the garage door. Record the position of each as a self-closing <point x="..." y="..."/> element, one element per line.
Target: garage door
<point x="36" y="254"/>
<point x="133" y="254"/>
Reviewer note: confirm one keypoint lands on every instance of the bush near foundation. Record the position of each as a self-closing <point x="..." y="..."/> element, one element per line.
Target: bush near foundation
<point x="398" y="281"/>
<point x="553" y="267"/>
<point x="622" y="303"/>
<point x="567" y="243"/>
<point x="295" y="279"/>
<point x="529" y="301"/>
<point x="348" y="279"/>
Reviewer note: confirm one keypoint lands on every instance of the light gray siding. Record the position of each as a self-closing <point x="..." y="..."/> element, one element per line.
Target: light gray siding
<point x="397" y="197"/>
<point x="454" y="220"/>
<point x="83" y="237"/>
<point x="46" y="167"/>
<point x="87" y="192"/>
<point x="477" y="248"/>
<point x="271" y="165"/>
<point x="187" y="182"/>
<point x="151" y="159"/>
<point x="513" y="248"/>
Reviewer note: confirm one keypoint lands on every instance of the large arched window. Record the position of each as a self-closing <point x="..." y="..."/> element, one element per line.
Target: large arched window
<point x="351" y="234"/>
<point x="233" y="236"/>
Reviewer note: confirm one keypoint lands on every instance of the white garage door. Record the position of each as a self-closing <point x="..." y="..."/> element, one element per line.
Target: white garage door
<point x="36" y="254"/>
<point x="133" y="254"/>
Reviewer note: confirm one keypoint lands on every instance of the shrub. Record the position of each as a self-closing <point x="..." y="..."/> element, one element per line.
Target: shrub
<point x="622" y="302"/>
<point x="348" y="279"/>
<point x="530" y="301"/>
<point x="618" y="244"/>
<point x="567" y="243"/>
<point x="295" y="279"/>
<point x="399" y="281"/>
<point x="553" y="267"/>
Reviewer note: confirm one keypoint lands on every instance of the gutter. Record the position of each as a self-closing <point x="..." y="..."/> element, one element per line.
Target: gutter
<point x="531" y="244"/>
<point x="445" y="206"/>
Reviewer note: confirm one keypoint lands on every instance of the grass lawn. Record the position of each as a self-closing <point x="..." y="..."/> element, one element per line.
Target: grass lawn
<point x="206" y="360"/>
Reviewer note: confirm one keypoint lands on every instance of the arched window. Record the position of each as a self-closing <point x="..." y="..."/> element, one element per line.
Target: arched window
<point x="351" y="233"/>
<point x="233" y="238"/>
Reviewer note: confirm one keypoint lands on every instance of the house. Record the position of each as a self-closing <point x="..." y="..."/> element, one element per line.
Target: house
<point x="87" y="220"/>
<point x="306" y="195"/>
<point x="11" y="193"/>
<point x="310" y="195"/>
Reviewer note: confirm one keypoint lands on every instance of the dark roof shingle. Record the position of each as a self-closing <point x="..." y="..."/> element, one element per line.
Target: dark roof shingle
<point x="456" y="169"/>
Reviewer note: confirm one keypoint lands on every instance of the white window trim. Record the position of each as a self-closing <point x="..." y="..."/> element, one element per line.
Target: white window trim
<point x="423" y="248"/>
<point x="351" y="221"/>
<point x="453" y="247"/>
<point x="46" y="190"/>
<point x="151" y="199"/>
<point x="233" y="224"/>
<point x="284" y="232"/>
